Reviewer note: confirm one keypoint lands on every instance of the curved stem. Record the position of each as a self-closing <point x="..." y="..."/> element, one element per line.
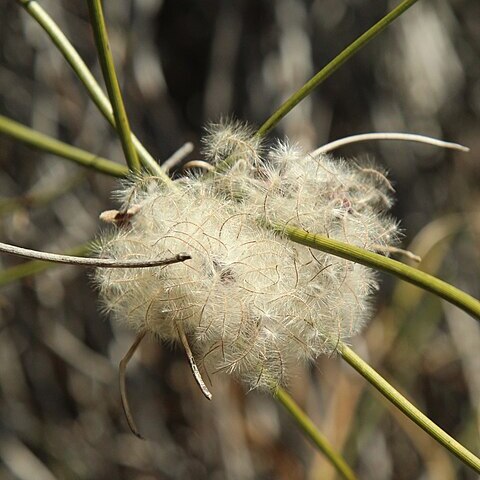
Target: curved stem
<point x="386" y="389"/>
<point x="331" y="67"/>
<point x="108" y="68"/>
<point x="48" y="144"/>
<point x="122" y="370"/>
<point x="408" y="137"/>
<point x="90" y="261"/>
<point x="314" y="434"/>
<point x="370" y="259"/>
<point x="32" y="267"/>
<point x="81" y="70"/>
<point x="191" y="360"/>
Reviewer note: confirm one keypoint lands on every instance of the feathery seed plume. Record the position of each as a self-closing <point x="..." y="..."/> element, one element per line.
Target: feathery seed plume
<point x="252" y="303"/>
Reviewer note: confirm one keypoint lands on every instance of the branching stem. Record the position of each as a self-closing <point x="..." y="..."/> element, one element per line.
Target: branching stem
<point x="35" y="10"/>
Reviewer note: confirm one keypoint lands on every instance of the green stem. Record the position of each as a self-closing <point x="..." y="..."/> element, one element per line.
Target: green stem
<point x="405" y="272"/>
<point x="85" y="76"/>
<point x="315" y="436"/>
<point x="331" y="67"/>
<point x="32" y="267"/>
<point x="408" y="408"/>
<point x="44" y="142"/>
<point x="108" y="68"/>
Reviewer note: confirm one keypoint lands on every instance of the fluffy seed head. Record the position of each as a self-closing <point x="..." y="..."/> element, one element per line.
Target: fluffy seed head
<point x="231" y="139"/>
<point x="252" y="303"/>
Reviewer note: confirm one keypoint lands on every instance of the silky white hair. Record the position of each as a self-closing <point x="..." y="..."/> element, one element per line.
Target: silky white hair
<point x="253" y="303"/>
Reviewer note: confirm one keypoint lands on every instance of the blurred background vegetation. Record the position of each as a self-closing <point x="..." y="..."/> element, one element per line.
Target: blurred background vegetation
<point x="183" y="63"/>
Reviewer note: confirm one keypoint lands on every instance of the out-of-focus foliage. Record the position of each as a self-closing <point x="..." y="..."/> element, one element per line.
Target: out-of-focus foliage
<point x="182" y="63"/>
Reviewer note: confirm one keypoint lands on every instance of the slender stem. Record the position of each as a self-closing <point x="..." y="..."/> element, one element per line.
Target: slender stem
<point x="90" y="261"/>
<point x="85" y="76"/>
<point x="191" y="360"/>
<point x="33" y="267"/>
<point x="409" y="137"/>
<point x="331" y="67"/>
<point x="370" y="259"/>
<point x="48" y="144"/>
<point x="177" y="157"/>
<point x="311" y="431"/>
<point x="408" y="408"/>
<point x="400" y="251"/>
<point x="122" y="370"/>
<point x="108" y="68"/>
